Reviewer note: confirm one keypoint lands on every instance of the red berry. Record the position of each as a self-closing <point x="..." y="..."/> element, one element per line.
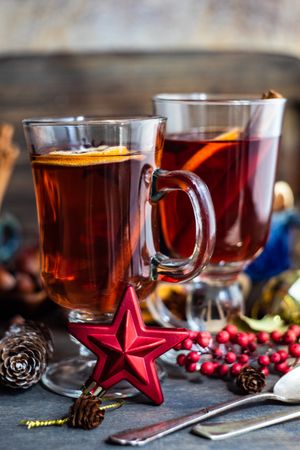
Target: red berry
<point x="187" y="344"/>
<point x="231" y="329"/>
<point x="193" y="335"/>
<point x="203" y="341"/>
<point x="230" y="357"/>
<point x="263" y="337"/>
<point x="283" y="355"/>
<point x="263" y="360"/>
<point x="191" y="367"/>
<point x="223" y="370"/>
<point x="243" y="359"/>
<point x="218" y="352"/>
<point x="294" y="350"/>
<point x="289" y="337"/>
<point x="235" y="369"/>
<point x="296" y="329"/>
<point x="275" y="357"/>
<point x="181" y="359"/>
<point x="193" y="356"/>
<point x="276" y="336"/>
<point x="206" y="334"/>
<point x="252" y="347"/>
<point x="207" y="368"/>
<point x="178" y="346"/>
<point x="251" y="338"/>
<point x="282" y="367"/>
<point x="265" y="371"/>
<point x="242" y="340"/>
<point x="222" y="337"/>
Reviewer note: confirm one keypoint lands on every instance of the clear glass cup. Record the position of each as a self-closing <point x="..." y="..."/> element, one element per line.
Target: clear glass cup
<point x="98" y="184"/>
<point x="231" y="142"/>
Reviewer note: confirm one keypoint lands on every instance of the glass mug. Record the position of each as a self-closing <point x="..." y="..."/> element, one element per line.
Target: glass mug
<point x="231" y="142"/>
<point x="98" y="184"/>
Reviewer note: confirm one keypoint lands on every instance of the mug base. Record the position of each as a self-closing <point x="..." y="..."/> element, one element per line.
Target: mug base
<point x="68" y="377"/>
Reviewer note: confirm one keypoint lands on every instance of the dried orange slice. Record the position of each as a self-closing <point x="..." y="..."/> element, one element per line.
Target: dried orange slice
<point x="210" y="149"/>
<point x="86" y="157"/>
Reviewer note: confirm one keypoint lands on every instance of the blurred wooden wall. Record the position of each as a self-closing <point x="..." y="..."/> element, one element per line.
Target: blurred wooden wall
<point x="110" y="83"/>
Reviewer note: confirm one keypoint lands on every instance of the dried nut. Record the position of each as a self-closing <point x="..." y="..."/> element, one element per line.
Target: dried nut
<point x="25" y="284"/>
<point x="7" y="280"/>
<point x="29" y="263"/>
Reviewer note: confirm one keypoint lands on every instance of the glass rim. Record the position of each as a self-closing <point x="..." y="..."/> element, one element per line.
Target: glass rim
<point x="90" y="120"/>
<point x="202" y="98"/>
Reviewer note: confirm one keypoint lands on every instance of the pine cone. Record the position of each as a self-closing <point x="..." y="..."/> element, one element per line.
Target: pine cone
<point x="85" y="412"/>
<point x="20" y="326"/>
<point x="250" y="380"/>
<point x="23" y="359"/>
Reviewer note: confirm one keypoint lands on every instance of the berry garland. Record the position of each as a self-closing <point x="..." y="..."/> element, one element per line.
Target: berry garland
<point x="227" y="353"/>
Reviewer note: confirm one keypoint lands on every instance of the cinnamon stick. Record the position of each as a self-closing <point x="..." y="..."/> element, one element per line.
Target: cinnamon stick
<point x="8" y="156"/>
<point x="271" y="94"/>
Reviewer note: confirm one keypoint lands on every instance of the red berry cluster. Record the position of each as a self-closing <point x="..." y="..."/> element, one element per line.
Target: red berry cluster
<point x="230" y="351"/>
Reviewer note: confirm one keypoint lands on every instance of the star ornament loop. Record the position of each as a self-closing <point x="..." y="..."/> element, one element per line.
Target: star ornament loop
<point x="127" y="349"/>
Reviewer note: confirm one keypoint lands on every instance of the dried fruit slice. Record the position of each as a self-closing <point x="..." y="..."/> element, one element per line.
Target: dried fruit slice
<point x="210" y="149"/>
<point x="89" y="156"/>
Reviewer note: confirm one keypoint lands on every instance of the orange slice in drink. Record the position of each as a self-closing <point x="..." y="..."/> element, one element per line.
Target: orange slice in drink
<point x="89" y="156"/>
<point x="210" y="149"/>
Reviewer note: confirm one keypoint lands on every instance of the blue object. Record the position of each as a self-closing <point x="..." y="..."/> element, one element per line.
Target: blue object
<point x="276" y="256"/>
<point x="10" y="236"/>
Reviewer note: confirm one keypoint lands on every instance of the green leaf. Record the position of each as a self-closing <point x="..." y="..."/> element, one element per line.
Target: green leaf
<point x="268" y="323"/>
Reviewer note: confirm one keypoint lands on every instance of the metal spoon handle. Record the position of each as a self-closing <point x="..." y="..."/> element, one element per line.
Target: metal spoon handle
<point x="141" y="436"/>
<point x="229" y="429"/>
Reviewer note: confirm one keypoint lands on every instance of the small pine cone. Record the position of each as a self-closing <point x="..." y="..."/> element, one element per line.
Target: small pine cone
<point x="23" y="360"/>
<point x="20" y="326"/>
<point x="250" y="380"/>
<point x="85" y="413"/>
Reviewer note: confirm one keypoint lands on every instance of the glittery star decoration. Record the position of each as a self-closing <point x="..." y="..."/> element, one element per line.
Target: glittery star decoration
<point x="127" y="349"/>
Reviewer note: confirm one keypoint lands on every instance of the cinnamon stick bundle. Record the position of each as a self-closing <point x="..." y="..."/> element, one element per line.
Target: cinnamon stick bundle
<point x="9" y="153"/>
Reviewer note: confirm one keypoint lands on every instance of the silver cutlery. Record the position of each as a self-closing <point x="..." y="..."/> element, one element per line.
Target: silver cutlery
<point x="229" y="429"/>
<point x="286" y="390"/>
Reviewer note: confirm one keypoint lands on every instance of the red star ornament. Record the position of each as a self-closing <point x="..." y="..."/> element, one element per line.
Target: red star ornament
<point x="127" y="349"/>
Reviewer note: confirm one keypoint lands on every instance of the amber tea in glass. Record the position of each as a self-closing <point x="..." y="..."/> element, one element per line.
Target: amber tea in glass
<point x="92" y="221"/>
<point x="98" y="184"/>
<point x="240" y="177"/>
<point x="231" y="143"/>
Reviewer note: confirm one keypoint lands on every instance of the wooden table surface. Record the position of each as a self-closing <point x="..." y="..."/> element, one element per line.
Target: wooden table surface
<point x="181" y="397"/>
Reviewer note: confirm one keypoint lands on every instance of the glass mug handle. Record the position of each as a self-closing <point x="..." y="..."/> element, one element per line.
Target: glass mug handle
<point x="173" y="270"/>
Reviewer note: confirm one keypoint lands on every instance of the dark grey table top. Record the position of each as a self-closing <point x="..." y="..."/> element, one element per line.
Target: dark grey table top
<point x="181" y="396"/>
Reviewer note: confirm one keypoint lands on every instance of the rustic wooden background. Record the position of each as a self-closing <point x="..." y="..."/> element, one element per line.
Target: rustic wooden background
<point x="110" y="83"/>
